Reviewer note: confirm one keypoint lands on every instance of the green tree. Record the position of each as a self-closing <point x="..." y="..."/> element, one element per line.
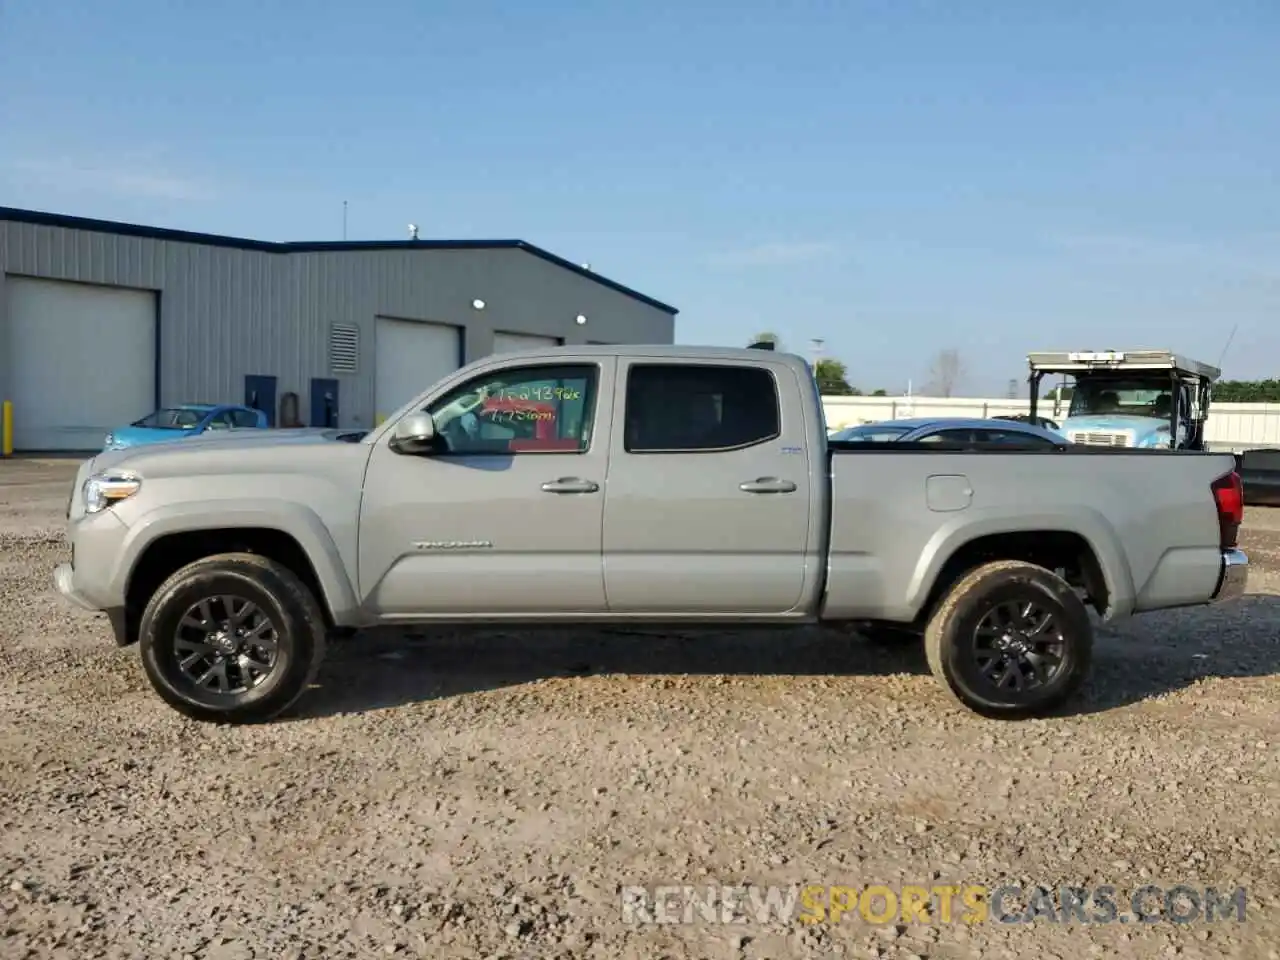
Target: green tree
<point x="768" y="336"/>
<point x="833" y="379"/>
<point x="879" y="393"/>
<point x="831" y="375"/>
<point x="1247" y="391"/>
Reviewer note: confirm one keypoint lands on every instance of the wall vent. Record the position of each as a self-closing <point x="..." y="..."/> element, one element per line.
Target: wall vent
<point x="344" y="348"/>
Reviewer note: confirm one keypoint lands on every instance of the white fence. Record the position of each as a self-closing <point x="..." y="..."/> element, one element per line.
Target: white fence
<point x="1230" y="425"/>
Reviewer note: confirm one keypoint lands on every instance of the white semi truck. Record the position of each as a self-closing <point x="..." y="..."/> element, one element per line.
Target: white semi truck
<point x="1149" y="399"/>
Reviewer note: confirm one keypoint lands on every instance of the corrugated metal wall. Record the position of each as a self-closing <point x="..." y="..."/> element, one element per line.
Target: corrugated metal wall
<point x="226" y="312"/>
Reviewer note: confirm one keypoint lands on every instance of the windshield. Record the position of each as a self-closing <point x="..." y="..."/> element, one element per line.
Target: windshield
<point x="872" y="433"/>
<point x="172" y="418"/>
<point x="1120" y="397"/>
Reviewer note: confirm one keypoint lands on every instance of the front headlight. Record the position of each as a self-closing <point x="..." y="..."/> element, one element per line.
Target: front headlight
<point x="103" y="489"/>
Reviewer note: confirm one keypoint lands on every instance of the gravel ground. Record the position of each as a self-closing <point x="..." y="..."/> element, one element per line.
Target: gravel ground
<point x="489" y="795"/>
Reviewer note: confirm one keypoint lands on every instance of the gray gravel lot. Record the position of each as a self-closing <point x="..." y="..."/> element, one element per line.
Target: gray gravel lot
<point x="487" y="795"/>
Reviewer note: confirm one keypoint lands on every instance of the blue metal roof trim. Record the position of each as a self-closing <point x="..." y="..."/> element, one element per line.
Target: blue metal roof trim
<point x="42" y="218"/>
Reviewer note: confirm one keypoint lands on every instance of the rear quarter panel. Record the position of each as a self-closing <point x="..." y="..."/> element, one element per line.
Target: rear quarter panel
<point x="1149" y="517"/>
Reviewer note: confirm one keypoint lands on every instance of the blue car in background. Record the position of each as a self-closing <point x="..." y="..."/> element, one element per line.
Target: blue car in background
<point x="185" y="420"/>
<point x="975" y="432"/>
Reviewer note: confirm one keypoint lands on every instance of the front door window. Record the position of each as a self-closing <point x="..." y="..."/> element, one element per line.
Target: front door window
<point x="538" y="409"/>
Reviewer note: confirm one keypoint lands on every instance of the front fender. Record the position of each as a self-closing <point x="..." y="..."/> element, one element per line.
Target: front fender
<point x="1086" y="522"/>
<point x="294" y="519"/>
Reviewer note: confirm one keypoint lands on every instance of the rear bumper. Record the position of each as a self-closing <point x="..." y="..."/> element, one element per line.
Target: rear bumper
<point x="1234" y="576"/>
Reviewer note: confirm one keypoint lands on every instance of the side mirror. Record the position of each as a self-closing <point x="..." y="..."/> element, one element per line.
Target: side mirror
<point x="414" y="435"/>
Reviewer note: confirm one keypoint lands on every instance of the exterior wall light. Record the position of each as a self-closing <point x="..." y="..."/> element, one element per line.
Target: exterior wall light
<point x="478" y="304"/>
<point x="579" y="319"/>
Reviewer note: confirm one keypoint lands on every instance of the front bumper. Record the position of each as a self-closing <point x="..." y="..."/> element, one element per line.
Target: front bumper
<point x="1234" y="577"/>
<point x="64" y="575"/>
<point x="64" y="578"/>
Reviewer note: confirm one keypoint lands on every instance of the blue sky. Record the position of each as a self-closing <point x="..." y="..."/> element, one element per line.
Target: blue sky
<point x="896" y="178"/>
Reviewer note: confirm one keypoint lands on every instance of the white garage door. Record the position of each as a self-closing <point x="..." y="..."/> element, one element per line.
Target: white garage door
<point x="509" y="342"/>
<point x="81" y="361"/>
<point x="409" y="357"/>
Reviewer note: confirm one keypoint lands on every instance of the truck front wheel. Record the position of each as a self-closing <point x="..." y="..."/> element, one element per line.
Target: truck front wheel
<point x="1010" y="640"/>
<point x="233" y="638"/>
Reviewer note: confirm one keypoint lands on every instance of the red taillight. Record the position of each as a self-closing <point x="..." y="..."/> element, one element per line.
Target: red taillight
<point x="1228" y="494"/>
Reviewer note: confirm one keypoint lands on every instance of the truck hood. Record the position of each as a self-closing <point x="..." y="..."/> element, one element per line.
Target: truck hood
<point x="1112" y="422"/>
<point x="194" y="450"/>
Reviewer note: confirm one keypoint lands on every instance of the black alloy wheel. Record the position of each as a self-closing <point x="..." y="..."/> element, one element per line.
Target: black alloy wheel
<point x="226" y="645"/>
<point x="1018" y="645"/>
<point x="232" y="638"/>
<point x="1011" y="640"/>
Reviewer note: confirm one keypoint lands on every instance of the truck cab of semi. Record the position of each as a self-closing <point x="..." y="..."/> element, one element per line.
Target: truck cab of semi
<point x="1145" y="399"/>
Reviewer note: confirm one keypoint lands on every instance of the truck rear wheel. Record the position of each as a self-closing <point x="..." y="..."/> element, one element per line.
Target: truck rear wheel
<point x="233" y="638"/>
<point x="1010" y="640"/>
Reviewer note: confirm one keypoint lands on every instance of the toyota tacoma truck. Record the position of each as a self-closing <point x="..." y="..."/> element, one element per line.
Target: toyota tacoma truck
<point x="644" y="486"/>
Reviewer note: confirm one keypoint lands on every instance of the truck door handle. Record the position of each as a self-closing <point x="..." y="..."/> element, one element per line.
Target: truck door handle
<point x="767" y="485"/>
<point x="570" y="485"/>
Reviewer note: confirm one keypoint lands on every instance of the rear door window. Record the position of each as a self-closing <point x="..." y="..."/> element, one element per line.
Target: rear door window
<point x="699" y="408"/>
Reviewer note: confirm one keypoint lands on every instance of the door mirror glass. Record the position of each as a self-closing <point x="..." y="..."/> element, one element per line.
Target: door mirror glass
<point x="415" y="434"/>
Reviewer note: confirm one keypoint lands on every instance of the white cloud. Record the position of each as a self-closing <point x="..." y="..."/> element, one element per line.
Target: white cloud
<point x="775" y="254"/>
<point x="126" y="177"/>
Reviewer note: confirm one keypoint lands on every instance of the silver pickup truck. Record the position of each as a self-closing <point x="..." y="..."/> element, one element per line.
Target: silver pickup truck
<point x="645" y="485"/>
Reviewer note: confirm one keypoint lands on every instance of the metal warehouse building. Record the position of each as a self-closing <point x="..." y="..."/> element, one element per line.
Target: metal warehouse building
<point x="102" y="322"/>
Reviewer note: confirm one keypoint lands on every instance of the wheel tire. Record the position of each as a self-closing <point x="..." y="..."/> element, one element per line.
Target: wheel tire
<point x="284" y="600"/>
<point x="951" y="638"/>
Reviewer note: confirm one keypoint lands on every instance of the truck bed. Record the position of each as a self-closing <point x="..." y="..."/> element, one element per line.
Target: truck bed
<point x="1141" y="526"/>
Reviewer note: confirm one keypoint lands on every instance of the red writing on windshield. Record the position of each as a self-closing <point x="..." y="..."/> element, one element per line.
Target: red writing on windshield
<point x="513" y="410"/>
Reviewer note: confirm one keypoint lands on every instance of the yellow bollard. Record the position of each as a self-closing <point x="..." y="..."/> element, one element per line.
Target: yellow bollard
<point x="379" y="420"/>
<point x="6" y="428"/>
